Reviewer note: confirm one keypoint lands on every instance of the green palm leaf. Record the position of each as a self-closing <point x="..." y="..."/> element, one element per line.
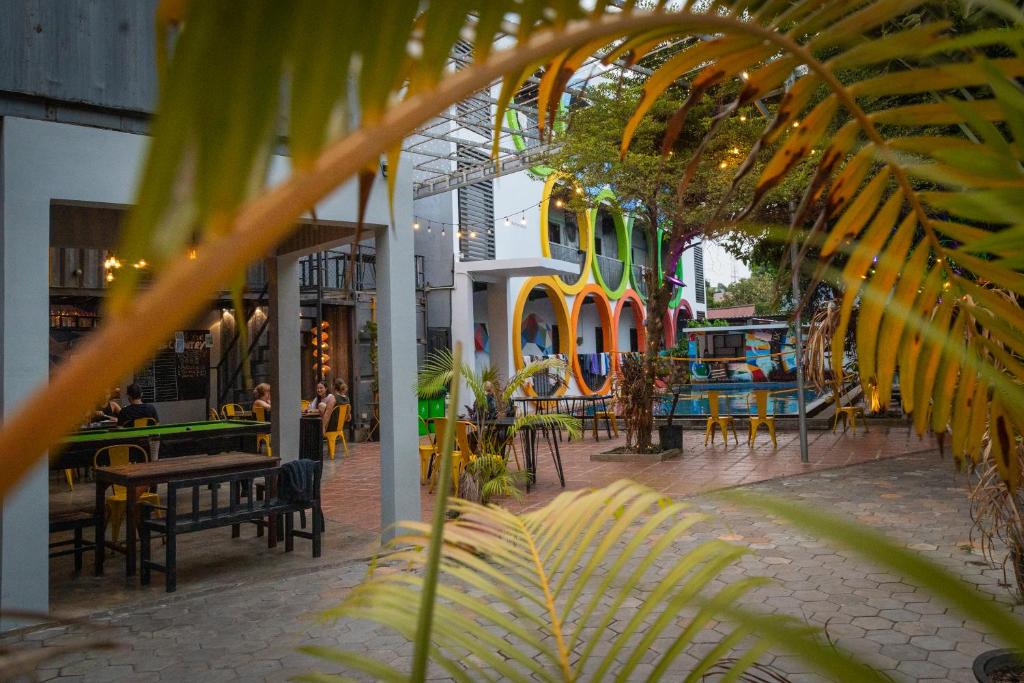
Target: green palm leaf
<point x="517" y="593"/>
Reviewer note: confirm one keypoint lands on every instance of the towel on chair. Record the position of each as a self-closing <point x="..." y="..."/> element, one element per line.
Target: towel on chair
<point x="297" y="482"/>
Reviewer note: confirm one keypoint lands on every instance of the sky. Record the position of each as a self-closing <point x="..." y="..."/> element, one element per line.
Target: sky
<point x="720" y="266"/>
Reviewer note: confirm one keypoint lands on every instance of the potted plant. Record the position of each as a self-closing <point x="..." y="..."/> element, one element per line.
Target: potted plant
<point x="489" y="476"/>
<point x="999" y="666"/>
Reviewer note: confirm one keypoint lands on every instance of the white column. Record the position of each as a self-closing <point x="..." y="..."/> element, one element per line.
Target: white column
<point x="24" y="365"/>
<point x="498" y="325"/>
<point x="396" y="339"/>
<point x="285" y="355"/>
<point x="462" y="328"/>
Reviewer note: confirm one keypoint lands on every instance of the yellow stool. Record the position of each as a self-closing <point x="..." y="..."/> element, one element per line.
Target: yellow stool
<point x="724" y="422"/>
<point x="69" y="474"/>
<point x="848" y="413"/>
<point x="762" y="418"/>
<point x="461" y="457"/>
<point x="214" y="415"/>
<point x="260" y="413"/>
<point x="336" y="428"/>
<point x="117" y="502"/>
<point x="144" y="422"/>
<point x="426" y="452"/>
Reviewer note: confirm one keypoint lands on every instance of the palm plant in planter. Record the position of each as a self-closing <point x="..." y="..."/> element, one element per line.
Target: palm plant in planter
<point x="489" y="476"/>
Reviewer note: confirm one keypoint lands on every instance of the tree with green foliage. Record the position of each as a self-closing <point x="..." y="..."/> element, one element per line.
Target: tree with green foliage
<point x="761" y="290"/>
<point x="646" y="181"/>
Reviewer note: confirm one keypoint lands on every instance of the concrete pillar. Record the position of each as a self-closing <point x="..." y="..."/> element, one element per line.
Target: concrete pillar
<point x="285" y="355"/>
<point x="498" y="325"/>
<point x="396" y="330"/>
<point x="462" y="327"/>
<point x="24" y="365"/>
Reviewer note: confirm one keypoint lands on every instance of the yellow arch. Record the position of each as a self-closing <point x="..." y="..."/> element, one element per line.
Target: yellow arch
<point x="586" y="238"/>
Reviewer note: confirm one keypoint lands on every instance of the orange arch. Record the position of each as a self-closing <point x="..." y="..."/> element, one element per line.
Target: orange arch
<point x="561" y="310"/>
<point x="639" y="315"/>
<point x="610" y="333"/>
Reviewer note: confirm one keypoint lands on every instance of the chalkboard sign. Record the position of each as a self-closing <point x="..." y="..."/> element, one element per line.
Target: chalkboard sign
<point x="180" y="370"/>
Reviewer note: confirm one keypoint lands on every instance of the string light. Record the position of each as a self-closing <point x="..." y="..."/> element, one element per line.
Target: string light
<point x="722" y="165"/>
<point x="558" y="203"/>
<point x="443" y="232"/>
<point x="743" y="117"/>
<point x="428" y="228"/>
<point x="744" y="75"/>
<point x="522" y="219"/>
<point x="735" y="150"/>
<point x="507" y="222"/>
<point x="416" y="226"/>
<point x="463" y="230"/>
<point x="472" y="234"/>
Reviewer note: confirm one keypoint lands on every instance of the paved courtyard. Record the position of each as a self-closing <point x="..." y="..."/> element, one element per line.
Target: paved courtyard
<point x="246" y="622"/>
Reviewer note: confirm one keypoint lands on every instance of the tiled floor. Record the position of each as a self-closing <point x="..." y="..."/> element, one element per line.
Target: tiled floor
<point x="250" y="630"/>
<point x="352" y="488"/>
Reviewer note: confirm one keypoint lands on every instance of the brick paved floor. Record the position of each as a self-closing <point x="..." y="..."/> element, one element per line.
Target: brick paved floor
<point x="352" y="490"/>
<point x="249" y="631"/>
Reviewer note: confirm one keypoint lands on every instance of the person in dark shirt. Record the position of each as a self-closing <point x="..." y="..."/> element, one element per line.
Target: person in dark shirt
<point x="135" y="408"/>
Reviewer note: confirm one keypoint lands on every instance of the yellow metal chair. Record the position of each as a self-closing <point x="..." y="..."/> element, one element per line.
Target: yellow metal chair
<point x="230" y="410"/>
<point x="305" y="404"/>
<point x="724" y="422"/>
<point x="260" y="413"/>
<point x="336" y="425"/>
<point x="608" y="415"/>
<point x="214" y="415"/>
<point x="848" y="413"/>
<point x="427" y="451"/>
<point x="762" y="417"/>
<point x="69" y="474"/>
<point x="144" y="422"/>
<point x="462" y="453"/>
<point x="117" y="501"/>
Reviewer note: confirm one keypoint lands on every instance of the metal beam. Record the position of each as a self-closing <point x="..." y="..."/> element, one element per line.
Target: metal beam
<point x="483" y="172"/>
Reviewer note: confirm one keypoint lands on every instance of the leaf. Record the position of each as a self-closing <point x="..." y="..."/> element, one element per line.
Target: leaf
<point x="893" y="46"/>
<point x="899" y="309"/>
<point x="927" y="79"/>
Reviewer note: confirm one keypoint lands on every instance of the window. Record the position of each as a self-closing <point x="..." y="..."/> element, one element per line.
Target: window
<point x="599" y="339"/>
<point x="634" y="340"/>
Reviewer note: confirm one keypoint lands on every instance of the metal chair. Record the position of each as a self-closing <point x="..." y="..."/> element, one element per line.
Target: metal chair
<point x="762" y="417"/>
<point x="723" y="422"/>
<point x="230" y="410"/>
<point x="336" y="428"/>
<point x="263" y="438"/>
<point x="117" y="501"/>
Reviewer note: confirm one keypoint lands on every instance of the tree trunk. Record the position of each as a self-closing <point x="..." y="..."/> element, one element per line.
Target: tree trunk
<point x="657" y="303"/>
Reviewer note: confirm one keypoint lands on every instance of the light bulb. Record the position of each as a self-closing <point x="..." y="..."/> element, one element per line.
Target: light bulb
<point x="744" y="75"/>
<point x="522" y="219"/>
<point x="558" y="203"/>
<point x="722" y="165"/>
<point x="472" y="234"/>
<point x="416" y="226"/>
<point x="428" y="227"/>
<point x="742" y="117"/>
<point x="443" y="232"/>
<point x="507" y="222"/>
<point x="459" y="234"/>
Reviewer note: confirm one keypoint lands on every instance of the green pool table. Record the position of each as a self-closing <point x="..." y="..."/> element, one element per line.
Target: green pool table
<point x="189" y="438"/>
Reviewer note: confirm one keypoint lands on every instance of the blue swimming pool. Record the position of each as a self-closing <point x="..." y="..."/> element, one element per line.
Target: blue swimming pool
<point x="736" y="398"/>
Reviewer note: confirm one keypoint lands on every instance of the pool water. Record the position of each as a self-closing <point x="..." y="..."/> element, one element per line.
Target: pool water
<point x="737" y="398"/>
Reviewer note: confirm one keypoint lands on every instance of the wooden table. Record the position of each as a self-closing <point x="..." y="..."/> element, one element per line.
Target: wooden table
<point x="146" y="474"/>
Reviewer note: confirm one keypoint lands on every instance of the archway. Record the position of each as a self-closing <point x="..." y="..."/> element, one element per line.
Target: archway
<point x="628" y="322"/>
<point x="639" y="256"/>
<point x="564" y="234"/>
<point x="542" y="329"/>
<point x="611" y="247"/>
<point x="595" y="340"/>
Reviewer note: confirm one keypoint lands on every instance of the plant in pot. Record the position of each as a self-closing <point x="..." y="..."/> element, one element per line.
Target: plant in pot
<point x="672" y="374"/>
<point x="492" y="413"/>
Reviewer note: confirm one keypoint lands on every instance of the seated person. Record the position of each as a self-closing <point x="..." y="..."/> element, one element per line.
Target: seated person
<point x="262" y="398"/>
<point x="110" y="408"/>
<point x="135" y="408"/>
<point x="340" y="397"/>
<point x="321" y="401"/>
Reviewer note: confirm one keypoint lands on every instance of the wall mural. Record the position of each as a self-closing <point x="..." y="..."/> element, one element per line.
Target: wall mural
<point x="770" y="355"/>
<point x="536" y="338"/>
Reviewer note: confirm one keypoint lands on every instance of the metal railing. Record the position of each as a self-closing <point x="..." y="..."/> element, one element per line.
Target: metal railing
<point x="611" y="270"/>
<point x="81" y="268"/>
<point x="564" y="252"/>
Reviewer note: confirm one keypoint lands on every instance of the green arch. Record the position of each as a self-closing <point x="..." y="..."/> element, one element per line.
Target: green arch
<point x="512" y="119"/>
<point x="637" y="286"/>
<point x="622" y="240"/>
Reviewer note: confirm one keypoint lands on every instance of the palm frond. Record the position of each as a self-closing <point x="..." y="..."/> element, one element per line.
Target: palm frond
<point x="570" y="424"/>
<point x="518" y="380"/>
<point x="518" y="593"/>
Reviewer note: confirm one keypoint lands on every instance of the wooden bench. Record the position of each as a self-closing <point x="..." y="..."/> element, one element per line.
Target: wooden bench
<point x="76" y="521"/>
<point x="239" y="506"/>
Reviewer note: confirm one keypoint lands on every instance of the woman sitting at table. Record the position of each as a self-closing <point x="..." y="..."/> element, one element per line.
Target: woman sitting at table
<point x="320" y="401"/>
<point x="262" y="396"/>
<point x="110" y="409"/>
<point x="341" y="397"/>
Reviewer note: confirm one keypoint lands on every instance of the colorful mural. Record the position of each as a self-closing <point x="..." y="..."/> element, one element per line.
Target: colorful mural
<point x="536" y="338"/>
